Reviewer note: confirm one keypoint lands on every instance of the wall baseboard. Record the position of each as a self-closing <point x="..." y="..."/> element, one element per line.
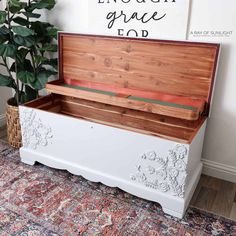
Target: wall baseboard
<point x="2" y="120"/>
<point x="219" y="170"/>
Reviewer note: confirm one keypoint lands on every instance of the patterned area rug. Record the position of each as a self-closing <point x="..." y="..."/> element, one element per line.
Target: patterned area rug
<point x="40" y="201"/>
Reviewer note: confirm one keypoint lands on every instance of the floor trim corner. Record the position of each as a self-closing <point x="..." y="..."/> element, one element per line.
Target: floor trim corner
<point x="219" y="170"/>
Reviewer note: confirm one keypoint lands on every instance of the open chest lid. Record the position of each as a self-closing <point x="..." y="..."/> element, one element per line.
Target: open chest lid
<point x="170" y="78"/>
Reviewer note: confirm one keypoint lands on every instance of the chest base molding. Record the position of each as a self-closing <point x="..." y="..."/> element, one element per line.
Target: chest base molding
<point x="171" y="205"/>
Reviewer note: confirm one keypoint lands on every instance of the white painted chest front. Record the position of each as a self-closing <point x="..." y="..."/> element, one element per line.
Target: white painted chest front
<point x="129" y="113"/>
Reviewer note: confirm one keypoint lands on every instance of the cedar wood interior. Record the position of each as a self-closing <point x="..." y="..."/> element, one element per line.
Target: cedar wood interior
<point x="171" y="128"/>
<point x="177" y="76"/>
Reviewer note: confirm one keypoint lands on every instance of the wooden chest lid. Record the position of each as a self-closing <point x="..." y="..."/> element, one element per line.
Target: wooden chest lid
<point x="155" y="72"/>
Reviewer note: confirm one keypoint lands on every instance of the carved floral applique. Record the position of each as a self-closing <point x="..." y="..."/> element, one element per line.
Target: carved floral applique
<point x="34" y="132"/>
<point x="166" y="174"/>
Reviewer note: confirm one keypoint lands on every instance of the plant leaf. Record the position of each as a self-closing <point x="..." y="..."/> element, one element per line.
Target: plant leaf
<point x="3" y="39"/>
<point x="30" y="93"/>
<point x="21" y="54"/>
<point x="21" y="61"/>
<point x="3" y="15"/>
<point x="51" y="62"/>
<point x="4" y="34"/>
<point x="15" y="5"/>
<point x="24" y="41"/>
<point x="49" y="48"/>
<point x="4" y="30"/>
<point x="7" y="81"/>
<point x="22" y="31"/>
<point x="7" y="50"/>
<point x="50" y="72"/>
<point x="23" y="98"/>
<point x="48" y="4"/>
<point x="31" y="15"/>
<point x="40" y="82"/>
<point x="21" y="21"/>
<point x="39" y="59"/>
<point x="52" y="32"/>
<point x="26" y="77"/>
<point x="13" y="67"/>
<point x="40" y="28"/>
<point x="25" y="66"/>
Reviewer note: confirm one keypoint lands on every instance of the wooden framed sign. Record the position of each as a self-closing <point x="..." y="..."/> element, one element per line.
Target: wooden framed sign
<point x="139" y="18"/>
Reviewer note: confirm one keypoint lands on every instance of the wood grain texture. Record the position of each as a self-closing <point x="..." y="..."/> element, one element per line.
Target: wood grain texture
<point x="205" y="198"/>
<point x="194" y="199"/>
<point x="142" y="72"/>
<point x="233" y="212"/>
<point x="215" y="195"/>
<point x="142" y="122"/>
<point x="171" y="121"/>
<point x="3" y="133"/>
<point x="224" y="199"/>
<point x="178" y="68"/>
<point x="140" y="105"/>
<point x="126" y="121"/>
<point x="125" y="92"/>
<point x="212" y="183"/>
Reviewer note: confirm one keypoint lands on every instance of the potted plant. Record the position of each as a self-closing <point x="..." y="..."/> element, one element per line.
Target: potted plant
<point x="26" y="48"/>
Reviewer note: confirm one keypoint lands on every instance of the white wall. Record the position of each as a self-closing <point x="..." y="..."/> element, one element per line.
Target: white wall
<point x="220" y="142"/>
<point x="70" y="15"/>
<point x="5" y="93"/>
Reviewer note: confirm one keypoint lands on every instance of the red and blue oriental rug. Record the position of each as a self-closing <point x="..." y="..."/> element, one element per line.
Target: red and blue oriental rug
<point x="37" y="201"/>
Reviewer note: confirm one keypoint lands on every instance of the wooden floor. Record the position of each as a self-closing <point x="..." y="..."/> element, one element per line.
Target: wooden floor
<point x="212" y="194"/>
<point x="3" y="133"/>
<point x="216" y="195"/>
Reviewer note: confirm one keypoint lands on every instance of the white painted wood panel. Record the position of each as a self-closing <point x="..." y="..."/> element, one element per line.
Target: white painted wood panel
<point x="143" y="165"/>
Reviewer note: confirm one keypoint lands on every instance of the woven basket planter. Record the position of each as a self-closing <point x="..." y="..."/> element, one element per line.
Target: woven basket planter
<point x="13" y="125"/>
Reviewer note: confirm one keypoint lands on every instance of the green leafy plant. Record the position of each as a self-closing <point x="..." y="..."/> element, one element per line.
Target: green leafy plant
<point x="26" y="48"/>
